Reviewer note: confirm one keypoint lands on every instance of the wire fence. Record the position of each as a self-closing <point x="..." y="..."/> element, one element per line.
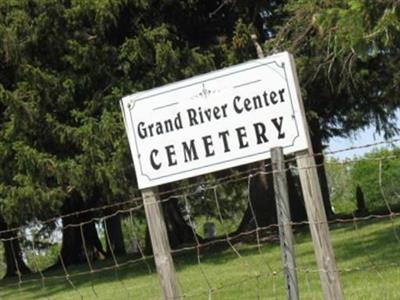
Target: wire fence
<point x="237" y="258"/>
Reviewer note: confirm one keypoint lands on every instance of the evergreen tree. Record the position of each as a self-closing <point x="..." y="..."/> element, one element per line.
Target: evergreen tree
<point x="64" y="65"/>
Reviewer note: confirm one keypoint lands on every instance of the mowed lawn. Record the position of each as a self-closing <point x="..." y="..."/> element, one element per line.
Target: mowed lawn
<point x="368" y="256"/>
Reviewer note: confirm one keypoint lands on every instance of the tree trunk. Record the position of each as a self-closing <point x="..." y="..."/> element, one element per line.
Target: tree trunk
<point x="297" y="207"/>
<point x="15" y="264"/>
<point x="72" y="251"/>
<point x="318" y="147"/>
<point x="115" y="239"/>
<point x="261" y="210"/>
<point x="361" y="207"/>
<point x="178" y="230"/>
<point x="80" y="238"/>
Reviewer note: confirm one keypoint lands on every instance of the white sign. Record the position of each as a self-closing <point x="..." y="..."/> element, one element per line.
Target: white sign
<point x="214" y="121"/>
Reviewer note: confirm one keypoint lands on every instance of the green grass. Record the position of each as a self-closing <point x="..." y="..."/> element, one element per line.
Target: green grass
<point x="368" y="258"/>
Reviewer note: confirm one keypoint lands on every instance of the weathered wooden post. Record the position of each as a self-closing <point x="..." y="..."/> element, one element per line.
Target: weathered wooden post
<point x="318" y="223"/>
<point x="284" y="219"/>
<point x="157" y="230"/>
<point x="160" y="244"/>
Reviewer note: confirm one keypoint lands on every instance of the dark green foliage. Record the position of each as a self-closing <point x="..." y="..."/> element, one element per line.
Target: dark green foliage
<point x="378" y="175"/>
<point x="64" y="65"/>
<point x="375" y="175"/>
<point x="347" y="53"/>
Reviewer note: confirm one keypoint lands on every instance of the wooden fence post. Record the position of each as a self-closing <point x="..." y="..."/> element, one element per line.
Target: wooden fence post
<point x="328" y="273"/>
<point x="160" y="244"/>
<point x="318" y="223"/>
<point x="285" y="229"/>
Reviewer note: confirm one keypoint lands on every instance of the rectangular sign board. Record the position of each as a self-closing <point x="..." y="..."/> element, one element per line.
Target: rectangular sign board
<point x="215" y="121"/>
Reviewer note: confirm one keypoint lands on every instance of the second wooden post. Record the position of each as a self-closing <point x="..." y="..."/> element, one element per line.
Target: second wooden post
<point x="285" y="228"/>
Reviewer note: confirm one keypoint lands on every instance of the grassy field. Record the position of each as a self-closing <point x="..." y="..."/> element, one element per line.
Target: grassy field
<point x="368" y="257"/>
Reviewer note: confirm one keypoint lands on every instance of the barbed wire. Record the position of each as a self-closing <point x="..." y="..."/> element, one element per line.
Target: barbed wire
<point x="260" y="167"/>
<point x="207" y="185"/>
<point x="228" y="238"/>
<point x="364" y="146"/>
<point x="261" y="235"/>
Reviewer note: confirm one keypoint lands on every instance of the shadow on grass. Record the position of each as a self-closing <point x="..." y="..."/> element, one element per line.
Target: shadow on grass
<point x="376" y="242"/>
<point x="373" y="241"/>
<point x="56" y="281"/>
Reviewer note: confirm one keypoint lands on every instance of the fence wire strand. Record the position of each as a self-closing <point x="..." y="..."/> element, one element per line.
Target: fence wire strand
<point x="267" y="280"/>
